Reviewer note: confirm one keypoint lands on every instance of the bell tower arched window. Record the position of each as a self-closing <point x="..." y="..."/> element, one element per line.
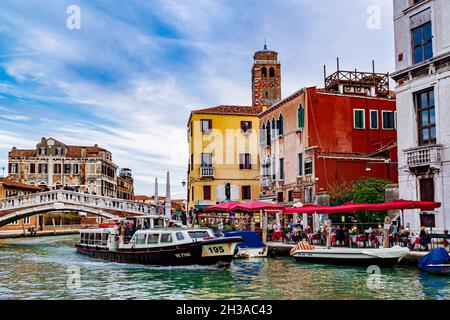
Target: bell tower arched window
<point x="264" y="72"/>
<point x="272" y="72"/>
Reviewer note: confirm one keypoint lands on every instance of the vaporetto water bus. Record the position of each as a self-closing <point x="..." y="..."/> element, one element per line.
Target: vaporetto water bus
<point x="158" y="246"/>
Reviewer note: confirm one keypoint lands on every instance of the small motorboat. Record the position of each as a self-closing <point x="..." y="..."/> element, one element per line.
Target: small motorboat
<point x="252" y="247"/>
<point x="382" y="257"/>
<point x="436" y="262"/>
<point x="158" y="246"/>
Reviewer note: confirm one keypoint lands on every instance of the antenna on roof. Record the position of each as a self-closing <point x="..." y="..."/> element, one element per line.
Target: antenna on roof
<point x="373" y="66"/>
<point x="337" y="63"/>
<point x="265" y="44"/>
<point x="325" y="74"/>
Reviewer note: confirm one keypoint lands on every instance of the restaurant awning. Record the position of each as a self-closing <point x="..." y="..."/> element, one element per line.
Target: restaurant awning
<point x="223" y="207"/>
<point x="257" y="206"/>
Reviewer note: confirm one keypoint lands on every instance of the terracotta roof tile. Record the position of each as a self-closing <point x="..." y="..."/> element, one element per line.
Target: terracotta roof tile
<point x="230" y="110"/>
<point x="14" y="184"/>
<point x="22" y="153"/>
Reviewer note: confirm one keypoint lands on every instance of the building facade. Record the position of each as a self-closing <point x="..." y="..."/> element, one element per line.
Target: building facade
<point x="316" y="138"/>
<point x="223" y="148"/>
<point x="8" y="189"/>
<point x="422" y="47"/>
<point x="53" y="165"/>
<point x="125" y="184"/>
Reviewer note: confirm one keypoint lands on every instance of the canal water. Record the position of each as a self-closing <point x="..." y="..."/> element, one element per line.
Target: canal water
<point x="47" y="268"/>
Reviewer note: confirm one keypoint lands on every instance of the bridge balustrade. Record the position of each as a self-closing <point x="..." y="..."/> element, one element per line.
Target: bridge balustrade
<point x="81" y="199"/>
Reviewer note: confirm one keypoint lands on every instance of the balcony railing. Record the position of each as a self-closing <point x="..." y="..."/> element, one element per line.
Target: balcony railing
<point x="423" y="156"/>
<point x="206" y="172"/>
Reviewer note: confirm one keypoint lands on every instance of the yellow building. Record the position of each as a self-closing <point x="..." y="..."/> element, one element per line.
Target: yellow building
<point x="224" y="161"/>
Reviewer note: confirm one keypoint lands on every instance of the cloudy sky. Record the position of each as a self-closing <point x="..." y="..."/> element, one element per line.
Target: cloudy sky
<point x="127" y="79"/>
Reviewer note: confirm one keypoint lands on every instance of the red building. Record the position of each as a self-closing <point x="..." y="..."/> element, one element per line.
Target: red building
<point x="317" y="138"/>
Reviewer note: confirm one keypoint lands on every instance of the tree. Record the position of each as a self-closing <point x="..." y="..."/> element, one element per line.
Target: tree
<point x="340" y="193"/>
<point x="370" y="190"/>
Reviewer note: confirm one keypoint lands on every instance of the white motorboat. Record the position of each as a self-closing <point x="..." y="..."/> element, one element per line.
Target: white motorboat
<point x="383" y="257"/>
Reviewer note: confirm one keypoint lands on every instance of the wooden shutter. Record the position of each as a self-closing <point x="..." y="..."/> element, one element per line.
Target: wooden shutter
<point x="427" y="190"/>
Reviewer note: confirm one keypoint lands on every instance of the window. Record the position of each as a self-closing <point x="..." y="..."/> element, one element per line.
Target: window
<point x="264" y="72"/>
<point x="373" y="119"/>
<point x="166" y="238"/>
<point x="67" y="168"/>
<point x="268" y="134"/>
<point x="308" y="166"/>
<point x="246" y="126"/>
<point x="206" y="160"/>
<point x="180" y="236"/>
<point x="300" y="164"/>
<point x="274" y="128"/>
<point x="246" y="193"/>
<point x="427" y="190"/>
<point x="206" y="192"/>
<point x="280" y="125"/>
<point x="57" y="168"/>
<point x="42" y="168"/>
<point x="426" y="117"/>
<point x="140" y="239"/>
<point x="153" y="238"/>
<point x="42" y="151"/>
<point x="388" y="120"/>
<point x="26" y="220"/>
<point x="301" y="116"/>
<point x="206" y="126"/>
<point x="245" y="161"/>
<point x="192" y="192"/>
<point x="359" y="119"/>
<point x="32" y="168"/>
<point x="272" y="72"/>
<point x="280" y="197"/>
<point x="281" y="169"/>
<point x="13" y="168"/>
<point x="59" y="151"/>
<point x="76" y="169"/>
<point x="192" y="161"/>
<point x="422" y="43"/>
<point x="308" y="195"/>
<point x="290" y="196"/>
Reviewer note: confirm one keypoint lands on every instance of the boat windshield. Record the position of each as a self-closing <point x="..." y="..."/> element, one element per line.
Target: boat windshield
<point x="199" y="234"/>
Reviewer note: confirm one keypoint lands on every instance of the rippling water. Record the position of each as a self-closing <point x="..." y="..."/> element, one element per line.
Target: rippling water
<point x="38" y="269"/>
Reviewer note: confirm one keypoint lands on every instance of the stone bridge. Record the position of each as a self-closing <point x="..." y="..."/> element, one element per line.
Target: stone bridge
<point x="16" y="208"/>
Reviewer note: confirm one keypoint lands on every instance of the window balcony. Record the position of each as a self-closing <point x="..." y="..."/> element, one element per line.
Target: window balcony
<point x="423" y="156"/>
<point x="206" y="172"/>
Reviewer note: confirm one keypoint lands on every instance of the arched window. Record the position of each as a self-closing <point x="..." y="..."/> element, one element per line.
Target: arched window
<point x="268" y="134"/>
<point x="264" y="72"/>
<point x="274" y="129"/>
<point x="272" y="72"/>
<point x="266" y="94"/>
<point x="301" y="116"/>
<point x="280" y="125"/>
<point x="228" y="191"/>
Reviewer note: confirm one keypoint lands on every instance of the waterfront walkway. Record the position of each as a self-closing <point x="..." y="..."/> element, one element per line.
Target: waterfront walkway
<point x="279" y="249"/>
<point x="46" y="233"/>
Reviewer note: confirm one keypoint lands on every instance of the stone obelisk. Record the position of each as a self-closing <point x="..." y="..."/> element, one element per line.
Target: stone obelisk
<point x="156" y="199"/>
<point x="168" y="205"/>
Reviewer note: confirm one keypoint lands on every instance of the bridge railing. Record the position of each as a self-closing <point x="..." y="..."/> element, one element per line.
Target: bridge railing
<point x="76" y="198"/>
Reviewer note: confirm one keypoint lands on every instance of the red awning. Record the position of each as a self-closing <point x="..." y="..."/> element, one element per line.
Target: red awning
<point x="361" y="207"/>
<point x="223" y="207"/>
<point x="257" y="206"/>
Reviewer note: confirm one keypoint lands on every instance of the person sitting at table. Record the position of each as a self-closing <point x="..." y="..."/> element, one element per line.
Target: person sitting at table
<point x="340" y="236"/>
<point x="424" y="238"/>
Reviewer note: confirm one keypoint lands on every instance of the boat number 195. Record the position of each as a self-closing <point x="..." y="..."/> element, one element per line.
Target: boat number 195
<point x="216" y="249"/>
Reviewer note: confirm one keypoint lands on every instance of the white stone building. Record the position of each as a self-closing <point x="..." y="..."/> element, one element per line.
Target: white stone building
<point x="422" y="49"/>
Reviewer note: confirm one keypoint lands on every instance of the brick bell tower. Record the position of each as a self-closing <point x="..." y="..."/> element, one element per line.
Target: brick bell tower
<point x="266" y="78"/>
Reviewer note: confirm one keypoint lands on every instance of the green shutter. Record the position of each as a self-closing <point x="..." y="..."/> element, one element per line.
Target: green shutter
<point x="301" y="117"/>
